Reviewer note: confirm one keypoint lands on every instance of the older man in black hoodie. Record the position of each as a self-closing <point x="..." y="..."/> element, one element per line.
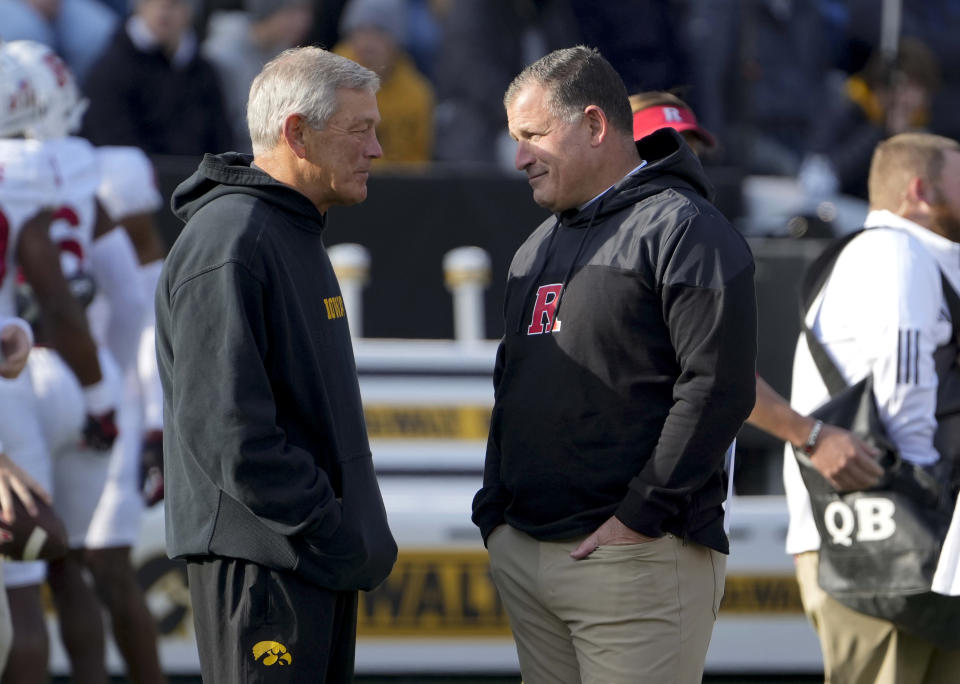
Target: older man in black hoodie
<point x="271" y="495"/>
<point x="625" y="373"/>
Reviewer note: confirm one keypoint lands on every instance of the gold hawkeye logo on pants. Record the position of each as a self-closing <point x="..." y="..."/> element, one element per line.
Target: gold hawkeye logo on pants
<point x="273" y="652"/>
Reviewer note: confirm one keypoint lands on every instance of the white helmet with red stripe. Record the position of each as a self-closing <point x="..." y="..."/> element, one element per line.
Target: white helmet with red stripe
<point x="60" y="107"/>
<point x="18" y="100"/>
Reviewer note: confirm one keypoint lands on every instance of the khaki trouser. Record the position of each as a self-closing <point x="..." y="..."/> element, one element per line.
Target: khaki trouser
<point x="632" y="614"/>
<point x="859" y="649"/>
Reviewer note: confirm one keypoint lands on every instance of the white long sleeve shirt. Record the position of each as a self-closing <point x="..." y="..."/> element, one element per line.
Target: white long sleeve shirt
<point x="882" y="311"/>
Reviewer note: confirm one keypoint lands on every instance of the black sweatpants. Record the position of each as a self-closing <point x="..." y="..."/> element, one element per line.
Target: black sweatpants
<point x="254" y="625"/>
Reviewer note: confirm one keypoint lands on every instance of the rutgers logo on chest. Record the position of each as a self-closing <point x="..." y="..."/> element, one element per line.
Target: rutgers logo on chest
<point x="544" y="317"/>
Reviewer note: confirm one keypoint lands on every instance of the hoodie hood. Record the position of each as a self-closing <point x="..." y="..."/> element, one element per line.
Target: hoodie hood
<point x="232" y="173"/>
<point x="670" y="164"/>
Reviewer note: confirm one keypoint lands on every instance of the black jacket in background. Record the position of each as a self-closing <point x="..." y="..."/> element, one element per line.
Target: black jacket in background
<point x="628" y="405"/>
<point x="139" y="98"/>
<point x="263" y="424"/>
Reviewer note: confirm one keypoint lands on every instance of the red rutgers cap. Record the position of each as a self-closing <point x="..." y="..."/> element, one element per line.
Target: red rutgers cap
<point x="651" y="119"/>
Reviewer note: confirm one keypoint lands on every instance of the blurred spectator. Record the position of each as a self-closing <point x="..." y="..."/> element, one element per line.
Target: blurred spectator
<point x="325" y="30"/>
<point x="657" y="109"/>
<point x="373" y="35"/>
<point x="759" y="70"/>
<point x="936" y="23"/>
<point x="880" y="101"/>
<point x="239" y="43"/>
<point x="152" y="89"/>
<point x="485" y="44"/>
<point x="640" y="38"/>
<point x="424" y="32"/>
<point x="78" y="30"/>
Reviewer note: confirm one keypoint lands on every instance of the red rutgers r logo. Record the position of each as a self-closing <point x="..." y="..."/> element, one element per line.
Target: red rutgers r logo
<point x="545" y="309"/>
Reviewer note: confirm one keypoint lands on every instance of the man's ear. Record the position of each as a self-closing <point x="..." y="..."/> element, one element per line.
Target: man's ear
<point x="921" y="192"/>
<point x="294" y="128"/>
<point x="918" y="200"/>
<point x="598" y="123"/>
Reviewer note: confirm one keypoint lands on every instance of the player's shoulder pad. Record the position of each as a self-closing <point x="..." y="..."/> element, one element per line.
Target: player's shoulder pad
<point x="27" y="174"/>
<point x="76" y="163"/>
<point x="128" y="183"/>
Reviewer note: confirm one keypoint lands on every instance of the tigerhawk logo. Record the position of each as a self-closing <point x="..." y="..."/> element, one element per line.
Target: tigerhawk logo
<point x="273" y="653"/>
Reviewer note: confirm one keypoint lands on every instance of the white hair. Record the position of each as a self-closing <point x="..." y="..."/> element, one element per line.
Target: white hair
<point x="301" y="81"/>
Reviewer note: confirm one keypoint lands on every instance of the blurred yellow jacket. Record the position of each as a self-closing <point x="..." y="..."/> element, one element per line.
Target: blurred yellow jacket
<point x="406" y="102"/>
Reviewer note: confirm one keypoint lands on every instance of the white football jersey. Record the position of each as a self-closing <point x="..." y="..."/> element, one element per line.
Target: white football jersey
<point x="128" y="183"/>
<point x="28" y="184"/>
<point x="76" y="164"/>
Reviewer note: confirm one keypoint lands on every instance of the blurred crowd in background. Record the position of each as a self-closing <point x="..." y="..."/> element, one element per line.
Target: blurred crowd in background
<point x="798" y="88"/>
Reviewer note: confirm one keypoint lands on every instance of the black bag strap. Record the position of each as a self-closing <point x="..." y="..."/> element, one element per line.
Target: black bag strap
<point x="813" y="281"/>
<point x="953" y="305"/>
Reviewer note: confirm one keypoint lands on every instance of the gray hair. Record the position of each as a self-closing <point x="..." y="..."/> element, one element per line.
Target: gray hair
<point x="301" y="81"/>
<point x="576" y="78"/>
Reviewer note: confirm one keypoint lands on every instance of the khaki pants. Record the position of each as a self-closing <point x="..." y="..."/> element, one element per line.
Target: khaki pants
<point x="632" y="614"/>
<point x="859" y="649"/>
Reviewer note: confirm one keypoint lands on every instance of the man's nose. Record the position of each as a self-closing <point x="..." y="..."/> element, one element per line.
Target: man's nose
<point x="374" y="150"/>
<point x="524" y="157"/>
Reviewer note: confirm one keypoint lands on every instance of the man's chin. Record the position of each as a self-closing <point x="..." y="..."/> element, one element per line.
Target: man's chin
<point x="355" y="196"/>
<point x="543" y="201"/>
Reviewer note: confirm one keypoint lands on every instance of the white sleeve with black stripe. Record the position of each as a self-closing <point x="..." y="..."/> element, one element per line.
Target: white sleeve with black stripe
<point x="881" y="313"/>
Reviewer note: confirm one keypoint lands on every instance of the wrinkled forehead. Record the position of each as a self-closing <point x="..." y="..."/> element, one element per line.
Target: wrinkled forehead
<point x="355" y="106"/>
<point x="530" y="106"/>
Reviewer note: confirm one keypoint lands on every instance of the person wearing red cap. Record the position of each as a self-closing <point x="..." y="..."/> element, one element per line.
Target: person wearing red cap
<point x="842" y="458"/>
<point x="657" y="109"/>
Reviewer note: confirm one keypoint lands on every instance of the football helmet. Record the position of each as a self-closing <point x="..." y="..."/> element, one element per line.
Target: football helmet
<point x="60" y="106"/>
<point x="18" y="100"/>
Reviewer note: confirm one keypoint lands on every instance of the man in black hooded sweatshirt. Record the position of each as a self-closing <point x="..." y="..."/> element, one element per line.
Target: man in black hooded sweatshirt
<point x="626" y="371"/>
<point x="270" y="492"/>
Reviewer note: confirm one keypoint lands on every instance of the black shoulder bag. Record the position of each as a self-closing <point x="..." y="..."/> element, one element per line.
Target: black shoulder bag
<point x="880" y="547"/>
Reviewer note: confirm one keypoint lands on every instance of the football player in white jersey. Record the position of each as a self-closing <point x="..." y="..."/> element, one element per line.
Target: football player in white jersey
<point x="16" y="339"/>
<point x="129" y="193"/>
<point x="101" y="506"/>
<point x="28" y="192"/>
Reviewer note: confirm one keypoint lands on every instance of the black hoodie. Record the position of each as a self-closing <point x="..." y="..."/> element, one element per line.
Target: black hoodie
<point x="628" y="363"/>
<point x="263" y="424"/>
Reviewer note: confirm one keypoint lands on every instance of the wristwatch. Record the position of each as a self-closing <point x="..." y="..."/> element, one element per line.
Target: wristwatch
<point x="812" y="438"/>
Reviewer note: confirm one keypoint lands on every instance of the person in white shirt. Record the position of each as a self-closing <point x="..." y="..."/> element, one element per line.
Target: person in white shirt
<point x="885" y="290"/>
<point x="95" y="491"/>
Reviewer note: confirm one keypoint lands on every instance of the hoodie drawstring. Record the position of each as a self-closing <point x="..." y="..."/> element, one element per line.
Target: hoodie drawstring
<point x="534" y="281"/>
<point x="546" y="256"/>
